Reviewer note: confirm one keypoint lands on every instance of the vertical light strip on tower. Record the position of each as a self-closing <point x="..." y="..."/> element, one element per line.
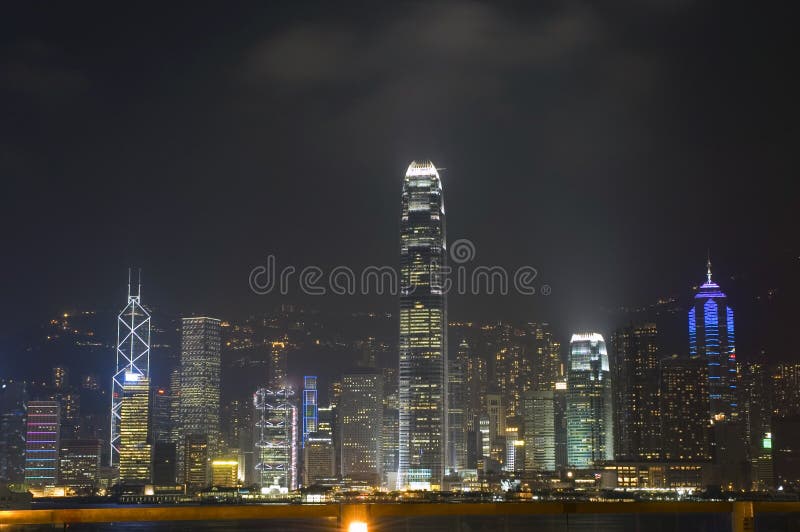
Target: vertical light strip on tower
<point x="133" y="357"/>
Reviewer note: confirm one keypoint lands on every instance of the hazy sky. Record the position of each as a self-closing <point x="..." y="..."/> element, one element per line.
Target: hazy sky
<point x="607" y="145"/>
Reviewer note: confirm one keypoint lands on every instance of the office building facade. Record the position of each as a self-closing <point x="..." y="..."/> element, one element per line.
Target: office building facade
<point x="42" y="443"/>
<point x="637" y="428"/>
<point x="199" y="396"/>
<point x="360" y="414"/>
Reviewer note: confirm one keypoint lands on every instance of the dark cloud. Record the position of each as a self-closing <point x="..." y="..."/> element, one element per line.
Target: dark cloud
<point x="436" y="40"/>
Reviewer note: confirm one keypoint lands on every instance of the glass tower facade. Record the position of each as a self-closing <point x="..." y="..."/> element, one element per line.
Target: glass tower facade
<point x="590" y="428"/>
<point x="711" y="336"/>
<point x="423" y="331"/>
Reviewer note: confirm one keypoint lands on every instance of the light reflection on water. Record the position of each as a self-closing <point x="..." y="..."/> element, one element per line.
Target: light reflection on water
<point x="538" y="523"/>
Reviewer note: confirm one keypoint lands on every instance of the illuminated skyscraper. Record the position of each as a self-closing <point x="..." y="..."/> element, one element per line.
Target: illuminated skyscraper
<point x="195" y="462"/>
<point x="545" y="350"/>
<point x="497" y="415"/>
<point x="785" y="387"/>
<point x="318" y="459"/>
<point x="79" y="468"/>
<point x="423" y="330"/>
<point x="225" y="473"/>
<point x="590" y="424"/>
<point x="684" y="409"/>
<point x="309" y="406"/>
<point x="199" y="383"/>
<point x="538" y="411"/>
<point x="133" y="358"/>
<point x="637" y="429"/>
<point x="42" y="440"/>
<point x="134" y="450"/>
<point x="275" y="440"/>
<point x="360" y="426"/>
<point x="711" y="336"/>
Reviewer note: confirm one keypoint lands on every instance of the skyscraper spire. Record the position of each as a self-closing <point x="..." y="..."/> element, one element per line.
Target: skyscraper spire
<point x="708" y="266"/>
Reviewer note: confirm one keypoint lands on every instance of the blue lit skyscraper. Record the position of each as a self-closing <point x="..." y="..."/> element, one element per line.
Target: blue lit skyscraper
<point x="309" y="406"/>
<point x="422" y="389"/>
<point x="711" y="336"/>
<point x="590" y="428"/>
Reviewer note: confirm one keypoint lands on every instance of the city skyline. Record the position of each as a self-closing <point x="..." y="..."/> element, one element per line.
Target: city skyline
<point x="537" y="411"/>
<point x="599" y="315"/>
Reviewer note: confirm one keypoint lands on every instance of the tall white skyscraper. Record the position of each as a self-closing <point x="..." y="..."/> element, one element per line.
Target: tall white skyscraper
<point x="423" y="331"/>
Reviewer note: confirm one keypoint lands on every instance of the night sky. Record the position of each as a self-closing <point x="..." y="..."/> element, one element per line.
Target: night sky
<point x="609" y="146"/>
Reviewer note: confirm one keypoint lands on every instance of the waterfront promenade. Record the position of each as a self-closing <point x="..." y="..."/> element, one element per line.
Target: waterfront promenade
<point x="341" y="516"/>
